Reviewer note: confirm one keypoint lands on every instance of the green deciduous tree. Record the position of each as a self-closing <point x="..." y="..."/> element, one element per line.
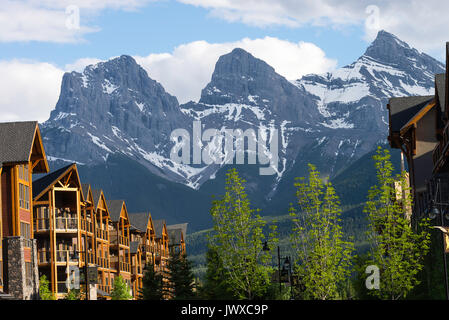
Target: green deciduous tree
<point x="44" y="291"/>
<point x="323" y="258"/>
<point x="396" y="249"/>
<point x="152" y="284"/>
<point x="120" y="291"/>
<point x="180" y="277"/>
<point x="238" y="241"/>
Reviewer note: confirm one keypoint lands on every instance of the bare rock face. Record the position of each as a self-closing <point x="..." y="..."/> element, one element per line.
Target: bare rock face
<point x="331" y="120"/>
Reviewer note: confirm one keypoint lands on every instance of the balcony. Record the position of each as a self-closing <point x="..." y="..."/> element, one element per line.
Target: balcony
<point x="145" y="248"/>
<point x="44" y="256"/>
<point x="104" y="288"/>
<point x="87" y="226"/>
<point x="66" y="224"/>
<point x="65" y="256"/>
<point x="103" y="263"/>
<point x="123" y="241"/>
<point x="101" y="234"/>
<point x="440" y="149"/>
<point x="41" y="224"/>
<point x="124" y="266"/>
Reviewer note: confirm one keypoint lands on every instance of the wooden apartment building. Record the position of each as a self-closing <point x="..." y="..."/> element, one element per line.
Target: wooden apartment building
<point x="56" y="226"/>
<point x="21" y="155"/>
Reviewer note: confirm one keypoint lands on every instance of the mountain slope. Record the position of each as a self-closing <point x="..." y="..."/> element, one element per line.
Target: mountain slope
<point x="113" y="110"/>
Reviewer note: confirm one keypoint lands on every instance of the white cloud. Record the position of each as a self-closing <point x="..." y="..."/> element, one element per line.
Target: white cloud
<point x="58" y="21"/>
<point x="422" y="24"/>
<point x="187" y="70"/>
<point x="28" y="90"/>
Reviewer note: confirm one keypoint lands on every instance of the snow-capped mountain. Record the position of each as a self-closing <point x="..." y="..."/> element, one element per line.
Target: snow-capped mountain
<point x="113" y="107"/>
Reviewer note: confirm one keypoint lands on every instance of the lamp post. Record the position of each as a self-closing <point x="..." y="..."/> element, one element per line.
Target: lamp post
<point x="286" y="267"/>
<point x="76" y="257"/>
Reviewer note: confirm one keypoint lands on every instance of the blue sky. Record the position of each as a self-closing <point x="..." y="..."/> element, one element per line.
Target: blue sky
<point x="161" y="26"/>
<point x="178" y="41"/>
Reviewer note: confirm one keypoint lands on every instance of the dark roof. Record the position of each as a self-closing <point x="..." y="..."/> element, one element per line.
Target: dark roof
<point x="115" y="208"/>
<point x="96" y="193"/>
<point x="139" y="220"/>
<point x="158" y="227"/>
<point x="182" y="226"/>
<point x="175" y="236"/>
<point x="440" y="86"/>
<point x="16" y="141"/>
<point x="402" y="110"/>
<point x="41" y="184"/>
<point x="133" y="246"/>
<point x="85" y="188"/>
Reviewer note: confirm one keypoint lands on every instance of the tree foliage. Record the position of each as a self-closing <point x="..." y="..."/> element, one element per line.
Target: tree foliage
<point x="180" y="277"/>
<point x="396" y="249"/>
<point x="215" y="286"/>
<point x="153" y="286"/>
<point x="120" y="291"/>
<point x="323" y="258"/>
<point x="44" y="291"/>
<point x="238" y="240"/>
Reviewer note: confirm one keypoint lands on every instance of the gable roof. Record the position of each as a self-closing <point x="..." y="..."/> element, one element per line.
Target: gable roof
<point x="182" y="226"/>
<point x="85" y="187"/>
<point x="115" y="209"/>
<point x="159" y="227"/>
<point x="43" y="184"/>
<point x="140" y="220"/>
<point x="176" y="236"/>
<point x="96" y="195"/>
<point x="403" y="109"/>
<point x="17" y="142"/>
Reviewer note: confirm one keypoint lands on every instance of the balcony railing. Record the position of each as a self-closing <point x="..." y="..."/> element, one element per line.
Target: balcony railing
<point x="87" y="226"/>
<point x="44" y="256"/>
<point x="103" y="262"/>
<point x="441" y="146"/>
<point x="124" y="241"/>
<point x="90" y="257"/>
<point x="41" y="224"/>
<point x="104" y="288"/>
<point x="65" y="256"/>
<point x="146" y="248"/>
<point x="124" y="266"/>
<point x="66" y="224"/>
<point x="102" y="234"/>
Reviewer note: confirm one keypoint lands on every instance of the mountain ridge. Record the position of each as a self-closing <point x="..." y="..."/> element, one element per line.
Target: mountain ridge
<point x="114" y="108"/>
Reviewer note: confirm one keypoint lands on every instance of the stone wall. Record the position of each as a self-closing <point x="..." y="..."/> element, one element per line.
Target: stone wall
<point x="14" y="271"/>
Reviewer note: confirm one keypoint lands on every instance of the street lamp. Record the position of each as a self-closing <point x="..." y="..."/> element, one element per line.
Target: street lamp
<point x="286" y="267"/>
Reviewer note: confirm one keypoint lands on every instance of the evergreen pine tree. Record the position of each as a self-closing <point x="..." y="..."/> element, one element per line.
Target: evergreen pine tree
<point x="120" y="291"/>
<point x="180" y="276"/>
<point x="215" y="287"/>
<point x="153" y="287"/>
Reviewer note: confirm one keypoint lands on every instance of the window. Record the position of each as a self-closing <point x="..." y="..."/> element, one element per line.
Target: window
<point x="24" y="172"/>
<point x="28" y="273"/>
<point x="24" y="196"/>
